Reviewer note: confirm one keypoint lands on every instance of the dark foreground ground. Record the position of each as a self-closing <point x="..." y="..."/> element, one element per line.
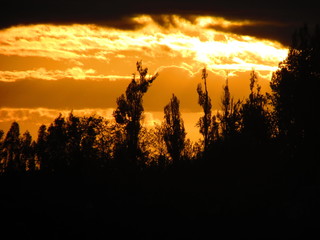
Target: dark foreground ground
<point x="175" y="204"/>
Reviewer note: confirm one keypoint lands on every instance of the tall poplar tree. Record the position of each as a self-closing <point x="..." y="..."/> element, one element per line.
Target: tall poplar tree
<point x="129" y="111"/>
<point x="204" y="101"/>
<point x="173" y="129"/>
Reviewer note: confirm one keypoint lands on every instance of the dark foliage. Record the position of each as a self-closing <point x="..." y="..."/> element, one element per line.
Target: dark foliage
<point x="295" y="87"/>
<point x="173" y="130"/>
<point x="207" y="124"/>
<point x="129" y="112"/>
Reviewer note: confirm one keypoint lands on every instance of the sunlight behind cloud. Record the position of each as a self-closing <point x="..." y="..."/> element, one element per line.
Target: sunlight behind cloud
<point x="187" y="42"/>
<point x="207" y="21"/>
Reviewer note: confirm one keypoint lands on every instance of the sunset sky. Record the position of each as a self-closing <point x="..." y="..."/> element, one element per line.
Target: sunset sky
<point x="58" y="56"/>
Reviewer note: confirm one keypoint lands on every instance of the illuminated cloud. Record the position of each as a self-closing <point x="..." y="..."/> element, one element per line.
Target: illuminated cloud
<point x="185" y="42"/>
<point x="76" y="73"/>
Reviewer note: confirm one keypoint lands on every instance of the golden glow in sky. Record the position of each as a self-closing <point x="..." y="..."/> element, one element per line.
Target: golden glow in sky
<point x="84" y="60"/>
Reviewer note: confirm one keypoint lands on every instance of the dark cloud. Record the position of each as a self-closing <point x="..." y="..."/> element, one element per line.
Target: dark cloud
<point x="290" y="14"/>
<point x="268" y="30"/>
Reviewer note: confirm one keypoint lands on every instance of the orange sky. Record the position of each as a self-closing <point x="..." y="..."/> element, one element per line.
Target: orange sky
<point x="46" y="69"/>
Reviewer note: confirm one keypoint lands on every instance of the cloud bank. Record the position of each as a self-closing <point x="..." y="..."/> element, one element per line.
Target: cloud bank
<point x="282" y="16"/>
<point x="83" y="50"/>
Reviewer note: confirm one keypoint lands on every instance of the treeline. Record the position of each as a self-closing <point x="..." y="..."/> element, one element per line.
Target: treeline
<point x="283" y="122"/>
<point x="91" y="144"/>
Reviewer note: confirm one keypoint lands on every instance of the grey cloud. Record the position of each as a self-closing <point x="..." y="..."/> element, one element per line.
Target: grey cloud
<point x="291" y="14"/>
<point x="276" y="31"/>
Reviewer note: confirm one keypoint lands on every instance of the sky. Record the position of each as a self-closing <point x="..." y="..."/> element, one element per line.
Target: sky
<point x="58" y="56"/>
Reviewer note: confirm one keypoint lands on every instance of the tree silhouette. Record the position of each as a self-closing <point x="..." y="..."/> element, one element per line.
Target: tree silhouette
<point x="205" y="122"/>
<point x="255" y="115"/>
<point x="56" y="145"/>
<point x="174" y="132"/>
<point x="156" y="146"/>
<point x="230" y="117"/>
<point x="12" y="148"/>
<point x="73" y="144"/>
<point x="130" y="108"/>
<point x="41" y="150"/>
<point x="160" y="146"/>
<point x="105" y="141"/>
<point x="27" y="153"/>
<point x="89" y="150"/>
<point x="295" y="88"/>
<point x="1" y="134"/>
<point x="81" y="145"/>
<point x="2" y="160"/>
<point x="146" y="147"/>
